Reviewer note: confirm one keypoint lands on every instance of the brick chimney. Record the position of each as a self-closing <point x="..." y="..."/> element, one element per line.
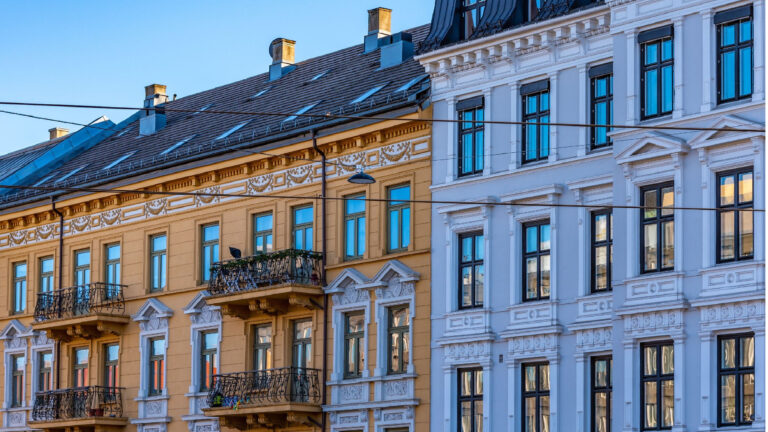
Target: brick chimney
<point x="379" y="26"/>
<point x="152" y="121"/>
<point x="57" y="132"/>
<point x="283" y="56"/>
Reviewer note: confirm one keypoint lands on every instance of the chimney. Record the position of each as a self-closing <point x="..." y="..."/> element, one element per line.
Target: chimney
<point x="283" y="57"/>
<point x="57" y="132"/>
<point x="151" y="121"/>
<point x="395" y="49"/>
<point x="379" y="26"/>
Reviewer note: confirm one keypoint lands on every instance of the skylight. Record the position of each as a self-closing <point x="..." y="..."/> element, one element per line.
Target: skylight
<point x="203" y="108"/>
<point x="411" y="83"/>
<point x="45" y="179"/>
<point x="261" y="92"/>
<point x="120" y="159"/>
<point x="369" y="93"/>
<point x="320" y="75"/>
<point x="301" y="111"/>
<point x="70" y="174"/>
<point x="231" y="131"/>
<point x="178" y="144"/>
<point x="124" y="131"/>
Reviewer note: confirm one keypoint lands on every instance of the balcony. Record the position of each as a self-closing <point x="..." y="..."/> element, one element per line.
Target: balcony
<point x="81" y="408"/>
<point x="266" y="398"/>
<point x="266" y="283"/>
<point x="88" y="311"/>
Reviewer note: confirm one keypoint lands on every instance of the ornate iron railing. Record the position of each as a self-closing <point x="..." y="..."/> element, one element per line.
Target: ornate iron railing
<point x="77" y="403"/>
<point x="80" y="300"/>
<point x="265" y="387"/>
<point x="258" y="271"/>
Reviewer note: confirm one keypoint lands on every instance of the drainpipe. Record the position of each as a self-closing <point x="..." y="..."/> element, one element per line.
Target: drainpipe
<point x="61" y="277"/>
<point x="324" y="230"/>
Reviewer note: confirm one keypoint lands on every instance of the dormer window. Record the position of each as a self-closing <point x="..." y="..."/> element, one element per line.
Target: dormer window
<point x="471" y="12"/>
<point x="533" y="9"/>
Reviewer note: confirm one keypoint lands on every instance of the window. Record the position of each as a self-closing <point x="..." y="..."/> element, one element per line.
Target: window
<point x="354" y="226"/>
<point x="158" y="270"/>
<point x="601" y="91"/>
<point x="232" y="130"/>
<point x="210" y="249"/>
<point x="368" y="94"/>
<point x="601" y="388"/>
<point x="735" y="230"/>
<point x="261" y="92"/>
<point x="46" y="274"/>
<point x="399" y="321"/>
<point x="470" y="400"/>
<point x="736" y="380"/>
<point x="262" y="347"/>
<point x="302" y="343"/>
<point x="19" y="287"/>
<point x="536" y="260"/>
<point x="202" y="108"/>
<point x="209" y="358"/>
<point x="301" y="111"/>
<point x="118" y="160"/>
<point x="302" y="227"/>
<point x="535" y="98"/>
<point x="70" y="174"/>
<point x="658" y="228"/>
<point x="112" y="264"/>
<point x="657" y="386"/>
<point x="656" y="72"/>
<point x="734" y="54"/>
<point x="320" y="75"/>
<point x="80" y="367"/>
<point x="44" y="371"/>
<point x="602" y="250"/>
<point x="471" y="136"/>
<point x="399" y="218"/>
<point x="156" y="366"/>
<point x="262" y="233"/>
<point x="471" y="12"/>
<point x="471" y="270"/>
<point x="111" y="368"/>
<point x="17" y="380"/>
<point x="354" y="345"/>
<point x="411" y="83"/>
<point x="82" y="267"/>
<point x="533" y="9"/>
<point x="536" y="397"/>
<point x="178" y="144"/>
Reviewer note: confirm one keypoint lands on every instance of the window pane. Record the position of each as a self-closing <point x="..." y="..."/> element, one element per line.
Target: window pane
<point x="531" y="239"/>
<point x="478" y="416"/>
<point x="649" y="200"/>
<point x="649" y="360"/>
<point x="728" y="399"/>
<point x="544" y="101"/>
<point x="544" y="152"/>
<point x="746" y="233"/>
<point x="302" y="215"/>
<point x="600" y="87"/>
<point x="466" y="416"/>
<point x="531" y="282"/>
<point x="745" y="67"/>
<point x="406" y="238"/>
<point x="728" y="34"/>
<point x="728" y="353"/>
<point x="530" y="378"/>
<point x="747" y="349"/>
<point x="668" y="238"/>
<point x="466" y="286"/>
<point x="544" y="413"/>
<point x="545" y="276"/>
<point x="478" y="382"/>
<point x="530" y="414"/>
<point x="264" y="222"/>
<point x="394" y="230"/>
<point x="211" y="233"/>
<point x="545" y="237"/>
<point x="728" y="75"/>
<point x="666" y="88"/>
<point x="667" y="359"/>
<point x="531" y="141"/>
<point x="745" y="187"/>
<point x="601" y="412"/>
<point x="668" y="403"/>
<point x="479" y="151"/>
<point x="466" y="383"/>
<point x="651" y="53"/>
<point x="650" y="246"/>
<point x="748" y="401"/>
<point x="745" y="31"/>
<point x="726" y="190"/>
<point x="466" y="249"/>
<point x="479" y="247"/>
<point x="650" y="404"/>
<point x="350" y="237"/>
<point x="667" y="200"/>
<point x="666" y="49"/>
<point x="727" y="235"/>
<point x="544" y="377"/>
<point x="479" y="284"/>
<point x="601" y="227"/>
<point x="651" y="86"/>
<point x="601" y="268"/>
<point x="601" y="373"/>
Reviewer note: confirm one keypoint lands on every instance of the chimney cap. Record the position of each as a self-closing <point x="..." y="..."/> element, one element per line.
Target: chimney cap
<point x="57" y="132"/>
<point x="380" y="20"/>
<point x="154" y="89"/>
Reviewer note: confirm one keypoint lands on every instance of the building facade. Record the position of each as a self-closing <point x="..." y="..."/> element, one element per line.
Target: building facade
<point x="216" y="289"/>
<point x="557" y="311"/>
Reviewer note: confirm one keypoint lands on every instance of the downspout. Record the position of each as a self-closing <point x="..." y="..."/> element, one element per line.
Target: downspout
<point x="324" y="227"/>
<point x="61" y="277"/>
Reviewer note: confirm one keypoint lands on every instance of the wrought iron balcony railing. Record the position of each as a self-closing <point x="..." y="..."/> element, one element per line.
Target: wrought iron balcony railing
<point x="80" y="300"/>
<point x="265" y="387"/>
<point x="78" y="403"/>
<point x="258" y="271"/>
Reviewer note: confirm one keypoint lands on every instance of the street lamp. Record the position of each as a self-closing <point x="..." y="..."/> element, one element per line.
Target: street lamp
<point x="361" y="178"/>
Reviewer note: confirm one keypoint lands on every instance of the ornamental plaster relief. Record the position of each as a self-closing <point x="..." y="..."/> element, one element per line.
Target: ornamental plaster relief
<point x="594" y="339"/>
<point x="539" y="345"/>
<point x="658" y="323"/>
<point x="734" y="279"/>
<point x="732" y="315"/>
<point x="467" y="353"/>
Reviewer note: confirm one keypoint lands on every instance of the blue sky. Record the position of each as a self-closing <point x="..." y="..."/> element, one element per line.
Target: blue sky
<point x="104" y="53"/>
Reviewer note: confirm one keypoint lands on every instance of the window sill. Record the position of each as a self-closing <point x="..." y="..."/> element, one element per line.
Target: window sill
<point x="372" y="379"/>
<point x="151" y="398"/>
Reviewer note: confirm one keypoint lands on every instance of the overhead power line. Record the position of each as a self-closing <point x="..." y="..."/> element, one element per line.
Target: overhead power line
<point x="385" y="200"/>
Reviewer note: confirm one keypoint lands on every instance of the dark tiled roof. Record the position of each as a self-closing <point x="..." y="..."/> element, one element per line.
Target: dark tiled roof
<point x="11" y="162"/>
<point x="351" y="73"/>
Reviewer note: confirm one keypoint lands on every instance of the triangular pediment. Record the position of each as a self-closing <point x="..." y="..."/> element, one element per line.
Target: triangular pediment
<point x="14" y="329"/>
<point x="710" y="138"/>
<point x="197" y="304"/>
<point x="395" y="268"/>
<point x="152" y="307"/>
<point x="348" y="277"/>
<point x="652" y="145"/>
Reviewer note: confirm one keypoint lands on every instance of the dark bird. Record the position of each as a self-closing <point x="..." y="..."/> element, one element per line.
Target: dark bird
<point x="235" y="252"/>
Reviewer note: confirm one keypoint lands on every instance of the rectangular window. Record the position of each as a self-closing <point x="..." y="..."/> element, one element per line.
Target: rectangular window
<point x="44" y="371"/>
<point x="471" y="12"/>
<point x="354" y="226"/>
<point x="471" y="270"/>
<point x="535" y="397"/>
<point x="158" y="256"/>
<point x="734" y="54"/>
<point x="470" y="400"/>
<point x="17" y="380"/>
<point x="399" y="218"/>
<point x="156" y="366"/>
<point x="209" y="249"/>
<point x="657" y="385"/>
<point x="471" y="136"/>
<point x="303" y="218"/>
<point x="657" y="228"/>
<point x="82" y="267"/>
<point x="111" y="367"/>
<point x="302" y="343"/>
<point x="46" y="274"/>
<point x="535" y="99"/>
<point x="601" y="391"/>
<point x="354" y="345"/>
<point x="656" y="71"/>
<point x="262" y="347"/>
<point x="262" y="233"/>
<point x="536" y="260"/>
<point x="80" y="367"/>
<point x="735" y="230"/>
<point x="209" y="358"/>
<point x="19" y="287"/>
<point x="112" y="263"/>
<point x="399" y="339"/>
<point x="736" y="380"/>
<point x="601" y="91"/>
<point x="602" y="250"/>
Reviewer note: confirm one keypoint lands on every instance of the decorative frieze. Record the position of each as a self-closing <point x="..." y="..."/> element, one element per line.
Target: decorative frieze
<point x="732" y="315"/>
<point x="539" y="345"/>
<point x="655" y="323"/>
<point x="467" y="353"/>
<point x="594" y="339"/>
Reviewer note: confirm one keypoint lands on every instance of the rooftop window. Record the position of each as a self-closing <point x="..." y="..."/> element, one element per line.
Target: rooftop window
<point x="178" y="144"/>
<point x="233" y="130"/>
<point x="301" y="111"/>
<point x="124" y="131"/>
<point x="203" y="108"/>
<point x="369" y="93"/>
<point x="43" y="180"/>
<point x="120" y="159"/>
<point x="70" y="174"/>
<point x="411" y="83"/>
<point x="320" y="75"/>
<point x="261" y="92"/>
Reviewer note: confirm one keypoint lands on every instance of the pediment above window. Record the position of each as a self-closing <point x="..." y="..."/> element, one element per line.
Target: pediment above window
<point x="395" y="269"/>
<point x="14" y="334"/>
<point x="153" y="315"/>
<point x="654" y="145"/>
<point x="713" y="138"/>
<point x="349" y="287"/>
<point x="201" y="312"/>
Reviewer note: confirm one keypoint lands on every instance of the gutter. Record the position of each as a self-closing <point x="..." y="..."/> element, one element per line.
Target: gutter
<point x="61" y="277"/>
<point x="324" y="230"/>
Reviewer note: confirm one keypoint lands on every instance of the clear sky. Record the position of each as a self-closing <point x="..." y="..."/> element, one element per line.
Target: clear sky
<point x="104" y="53"/>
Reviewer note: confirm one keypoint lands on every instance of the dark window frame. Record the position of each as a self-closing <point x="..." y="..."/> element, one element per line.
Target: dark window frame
<point x="537" y="393"/>
<point x="738" y="371"/>
<point x="607" y="243"/>
<point x="111" y="367"/>
<point x="44" y="374"/>
<point x="472" y="264"/>
<point x="158" y="281"/>
<point x="357" y="218"/>
<point x="208" y="250"/>
<point x="301" y="344"/>
<point x="80" y="369"/>
<point x="539" y="116"/>
<point x="465" y="9"/>
<point x="659" y="221"/>
<point x="594" y="389"/>
<point x="402" y="347"/>
<point x="296" y="227"/>
<point x="265" y="347"/>
<point x="471" y="398"/>
<point x="208" y="356"/>
<point x="19" y="293"/>
<point x="659" y="378"/>
<point x="46" y="279"/>
<point x="358" y="339"/>
<point x="737" y="207"/>
<point x="84" y="269"/>
<point x="476" y="129"/>
<point x="594" y="102"/>
<point x="267" y="236"/>
<point x="17" y="381"/>
<point x="536" y="254"/>
<point x="736" y="48"/>
<point x="659" y="65"/>
<point x="398" y="207"/>
<point x="112" y="264"/>
<point x="156" y="360"/>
